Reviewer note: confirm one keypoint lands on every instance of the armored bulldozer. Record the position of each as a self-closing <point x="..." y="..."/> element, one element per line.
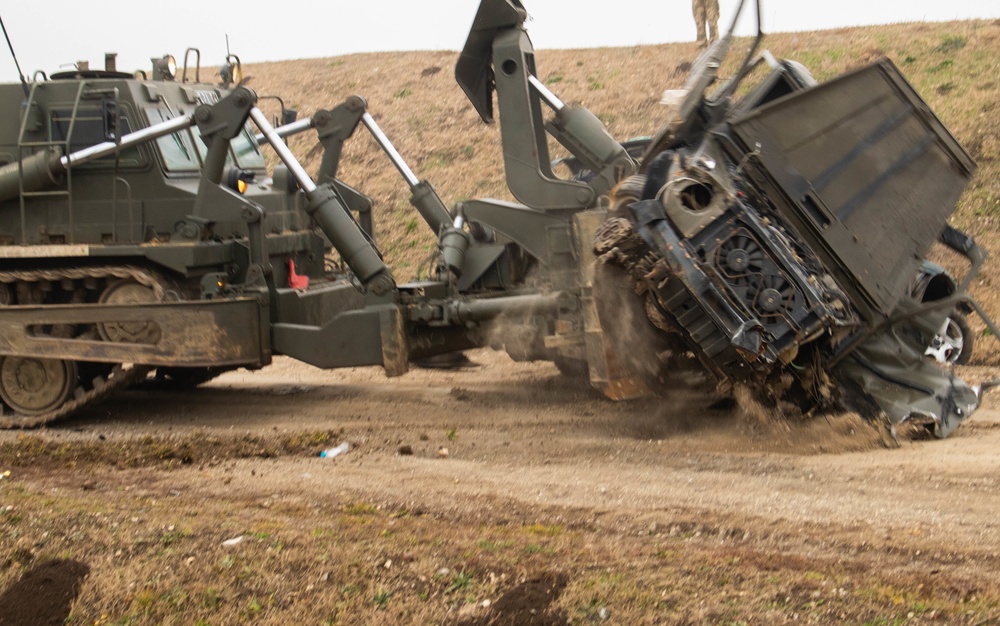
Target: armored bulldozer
<point x="141" y="231"/>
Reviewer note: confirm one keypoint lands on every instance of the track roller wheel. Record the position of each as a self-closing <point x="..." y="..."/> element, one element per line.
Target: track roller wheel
<point x="128" y="292"/>
<point x="34" y="386"/>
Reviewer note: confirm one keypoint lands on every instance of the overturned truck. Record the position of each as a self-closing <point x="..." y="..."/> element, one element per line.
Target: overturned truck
<point x="769" y="240"/>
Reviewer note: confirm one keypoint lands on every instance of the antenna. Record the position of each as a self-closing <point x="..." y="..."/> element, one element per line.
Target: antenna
<point x="24" y="83"/>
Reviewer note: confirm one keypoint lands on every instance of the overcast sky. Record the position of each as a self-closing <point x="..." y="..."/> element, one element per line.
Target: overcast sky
<point x="47" y="35"/>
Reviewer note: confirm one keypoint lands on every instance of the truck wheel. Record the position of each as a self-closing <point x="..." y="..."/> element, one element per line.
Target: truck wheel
<point x="954" y="344"/>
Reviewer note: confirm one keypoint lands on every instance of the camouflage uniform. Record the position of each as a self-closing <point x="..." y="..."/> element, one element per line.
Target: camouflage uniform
<point x="706" y="11"/>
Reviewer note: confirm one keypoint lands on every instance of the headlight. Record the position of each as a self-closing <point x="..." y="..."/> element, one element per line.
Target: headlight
<point x="166" y="67"/>
<point x="232" y="71"/>
<point x="237" y="73"/>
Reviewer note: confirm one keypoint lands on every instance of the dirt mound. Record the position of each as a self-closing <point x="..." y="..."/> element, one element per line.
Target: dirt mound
<point x="44" y="595"/>
<point x="528" y="604"/>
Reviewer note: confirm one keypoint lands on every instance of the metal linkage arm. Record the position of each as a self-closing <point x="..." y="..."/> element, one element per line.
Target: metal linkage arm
<point x="282" y="150"/>
<point x="43" y="169"/>
<point x="333" y="218"/>
<point x="498" y="56"/>
<point x="287" y="130"/>
<point x="426" y="200"/>
<point x="132" y="139"/>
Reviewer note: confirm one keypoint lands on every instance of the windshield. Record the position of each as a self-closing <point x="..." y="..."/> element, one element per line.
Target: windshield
<point x="184" y="151"/>
<point x="175" y="149"/>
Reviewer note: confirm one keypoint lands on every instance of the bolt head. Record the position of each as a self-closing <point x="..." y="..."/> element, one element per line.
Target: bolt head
<point x="322" y="118"/>
<point x="380" y="285"/>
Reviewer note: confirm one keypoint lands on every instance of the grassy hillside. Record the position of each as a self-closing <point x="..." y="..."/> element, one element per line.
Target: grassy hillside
<point x="414" y="97"/>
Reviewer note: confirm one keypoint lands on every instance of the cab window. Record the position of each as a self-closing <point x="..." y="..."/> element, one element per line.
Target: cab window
<point x="93" y="125"/>
<point x="175" y="149"/>
<point x="247" y="151"/>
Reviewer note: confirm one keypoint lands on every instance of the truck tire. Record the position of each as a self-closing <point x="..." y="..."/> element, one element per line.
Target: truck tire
<point x="954" y="346"/>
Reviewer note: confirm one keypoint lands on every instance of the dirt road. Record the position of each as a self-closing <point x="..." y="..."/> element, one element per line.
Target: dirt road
<point x="502" y="494"/>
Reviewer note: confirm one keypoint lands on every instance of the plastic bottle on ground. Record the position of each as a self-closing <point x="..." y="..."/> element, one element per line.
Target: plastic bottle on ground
<point x="329" y="453"/>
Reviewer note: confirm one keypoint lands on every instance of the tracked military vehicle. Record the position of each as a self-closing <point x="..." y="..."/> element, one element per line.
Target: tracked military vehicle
<point x="141" y="232"/>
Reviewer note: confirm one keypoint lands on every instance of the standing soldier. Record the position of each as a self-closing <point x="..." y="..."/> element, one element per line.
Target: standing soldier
<point x="706" y="11"/>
